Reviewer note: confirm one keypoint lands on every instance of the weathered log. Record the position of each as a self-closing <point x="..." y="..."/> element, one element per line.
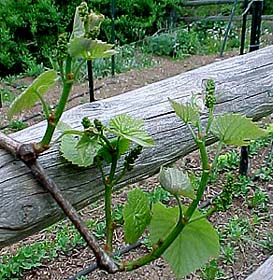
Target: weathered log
<point x="244" y="84"/>
<point x="264" y="272"/>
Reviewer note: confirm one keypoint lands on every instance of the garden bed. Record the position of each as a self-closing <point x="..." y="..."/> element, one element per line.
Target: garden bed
<point x="245" y="230"/>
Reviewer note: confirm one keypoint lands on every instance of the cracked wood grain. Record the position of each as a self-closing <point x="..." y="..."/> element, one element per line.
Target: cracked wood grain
<point x="28" y="155"/>
<point x="244" y="84"/>
<point x="263" y="272"/>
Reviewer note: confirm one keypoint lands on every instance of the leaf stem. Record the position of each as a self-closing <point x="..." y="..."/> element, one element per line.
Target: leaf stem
<point x="44" y="104"/>
<point x="108" y="218"/>
<point x="78" y="69"/>
<point x="180" y="206"/>
<point x="192" y="132"/>
<point x="120" y="176"/>
<point x="99" y="165"/>
<point x="215" y="160"/>
<point x="210" y="119"/>
<point x="106" y="141"/>
<point x="160" y="247"/>
<point x="207" y="214"/>
<point x="199" y="126"/>
<point x="61" y="68"/>
<point x="108" y="202"/>
<point x="204" y="179"/>
<point x="113" y="166"/>
<point x="52" y="121"/>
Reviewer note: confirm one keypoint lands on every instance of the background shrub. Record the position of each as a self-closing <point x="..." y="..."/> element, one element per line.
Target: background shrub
<point x="163" y="44"/>
<point x="268" y="7"/>
<point x="29" y="28"/>
<point x="178" y="43"/>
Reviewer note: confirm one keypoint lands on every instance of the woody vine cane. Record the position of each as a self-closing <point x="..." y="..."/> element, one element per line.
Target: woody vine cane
<point x="82" y="44"/>
<point x="114" y="149"/>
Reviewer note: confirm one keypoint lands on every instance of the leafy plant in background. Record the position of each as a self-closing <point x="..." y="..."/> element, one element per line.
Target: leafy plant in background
<point x="114" y="148"/>
<point x="128" y="57"/>
<point x="242" y="186"/>
<point x="17" y="125"/>
<point x="212" y="271"/>
<point x="228" y="254"/>
<point x="176" y="44"/>
<point x="162" y="45"/>
<point x="66" y="238"/>
<point x="26" y="258"/>
<point x="69" y="57"/>
<point x="29" y="31"/>
<point x="29" y="28"/>
<point x="259" y="201"/>
<point x="6" y="95"/>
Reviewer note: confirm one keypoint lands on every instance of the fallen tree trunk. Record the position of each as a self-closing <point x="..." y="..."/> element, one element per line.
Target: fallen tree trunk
<point x="265" y="271"/>
<point x="244" y="84"/>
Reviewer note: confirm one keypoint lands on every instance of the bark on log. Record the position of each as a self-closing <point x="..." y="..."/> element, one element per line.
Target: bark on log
<point x="264" y="272"/>
<point x="244" y="84"/>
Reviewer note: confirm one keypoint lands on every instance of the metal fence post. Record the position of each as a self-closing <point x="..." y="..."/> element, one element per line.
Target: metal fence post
<point x="257" y="7"/>
<point x="243" y="33"/>
<point x="90" y="81"/>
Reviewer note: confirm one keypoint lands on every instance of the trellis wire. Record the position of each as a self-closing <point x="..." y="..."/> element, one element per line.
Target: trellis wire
<point x="222" y="18"/>
<point x="228" y="28"/>
<point x="94" y="266"/>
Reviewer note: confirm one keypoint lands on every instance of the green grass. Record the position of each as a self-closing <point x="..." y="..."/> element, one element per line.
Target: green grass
<point x="6" y="96"/>
<point x="128" y="57"/>
<point x="17" y="125"/>
<point x="64" y="237"/>
<point x="27" y="257"/>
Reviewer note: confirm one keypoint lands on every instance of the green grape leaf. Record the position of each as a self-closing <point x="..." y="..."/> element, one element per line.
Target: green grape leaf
<point x="62" y="126"/>
<point x="235" y="129"/>
<point x="193" y="247"/>
<point x="31" y="95"/>
<point x="89" y="49"/>
<point x="136" y="215"/>
<point x="185" y="112"/>
<point x="131" y="129"/>
<point x="78" y="26"/>
<point x="80" y="151"/>
<point x="123" y="147"/>
<point x="176" y="182"/>
<point x="105" y="153"/>
<point x="66" y="129"/>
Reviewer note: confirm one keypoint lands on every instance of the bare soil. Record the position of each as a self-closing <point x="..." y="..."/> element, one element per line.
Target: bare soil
<point x="109" y="86"/>
<point x="248" y="254"/>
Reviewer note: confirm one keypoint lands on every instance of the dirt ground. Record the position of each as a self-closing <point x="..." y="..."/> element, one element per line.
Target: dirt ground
<point x="68" y="264"/>
<point x="109" y="86"/>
